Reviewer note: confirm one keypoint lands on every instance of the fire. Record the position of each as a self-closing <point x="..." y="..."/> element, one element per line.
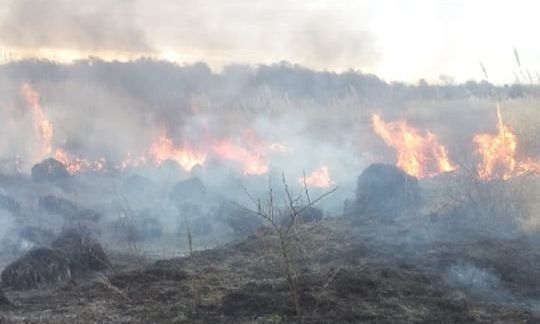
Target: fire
<point x="498" y="154"/>
<point x="319" y="178"/>
<point x="251" y="152"/>
<point x="75" y="165"/>
<point x="132" y="162"/>
<point x="44" y="131"/>
<point x="528" y="166"/>
<point x="43" y="128"/>
<point x="419" y="155"/>
<point x="252" y="162"/>
<point x="163" y="149"/>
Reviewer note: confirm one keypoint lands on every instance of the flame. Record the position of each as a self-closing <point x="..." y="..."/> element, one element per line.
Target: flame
<point x="43" y="128"/>
<point x="251" y="153"/>
<point x="163" y="149"/>
<point x="132" y="162"/>
<point x="418" y="155"/>
<point x="75" y="165"/>
<point x="252" y="162"/>
<point x="44" y="131"/>
<point x="319" y="178"/>
<point x="528" y="166"/>
<point x="498" y="154"/>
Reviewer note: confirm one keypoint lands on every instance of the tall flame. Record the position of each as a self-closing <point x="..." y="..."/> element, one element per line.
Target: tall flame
<point x="319" y="178"/>
<point x="43" y="128"/>
<point x="498" y="154"/>
<point x="44" y="131"/>
<point x="418" y="155"/>
<point x="163" y="149"/>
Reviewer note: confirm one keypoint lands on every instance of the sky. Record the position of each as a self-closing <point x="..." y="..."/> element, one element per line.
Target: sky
<point x="397" y="40"/>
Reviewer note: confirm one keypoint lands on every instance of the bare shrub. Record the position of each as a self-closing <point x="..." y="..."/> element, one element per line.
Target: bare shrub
<point x="128" y="229"/>
<point x="283" y="221"/>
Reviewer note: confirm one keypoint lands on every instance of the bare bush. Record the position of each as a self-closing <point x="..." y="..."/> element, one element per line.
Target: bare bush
<point x="283" y="220"/>
<point x="129" y="233"/>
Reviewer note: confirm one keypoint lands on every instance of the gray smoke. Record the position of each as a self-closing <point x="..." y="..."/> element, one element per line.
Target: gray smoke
<point x="101" y="25"/>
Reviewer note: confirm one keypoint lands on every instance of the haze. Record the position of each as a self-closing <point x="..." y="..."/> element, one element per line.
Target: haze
<point x="396" y="40"/>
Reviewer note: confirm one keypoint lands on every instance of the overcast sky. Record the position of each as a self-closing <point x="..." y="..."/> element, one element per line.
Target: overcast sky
<point x="395" y="39"/>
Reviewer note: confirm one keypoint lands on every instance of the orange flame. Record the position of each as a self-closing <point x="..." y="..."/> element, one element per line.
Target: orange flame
<point x="44" y="131"/>
<point x="163" y="149"/>
<point x="75" y="165"/>
<point x="418" y="155"/>
<point x="252" y="162"/>
<point x="251" y="154"/>
<point x="498" y="154"/>
<point x="319" y="178"/>
<point x="43" y="128"/>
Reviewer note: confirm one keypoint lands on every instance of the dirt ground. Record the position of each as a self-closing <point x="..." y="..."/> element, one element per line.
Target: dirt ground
<point x="346" y="275"/>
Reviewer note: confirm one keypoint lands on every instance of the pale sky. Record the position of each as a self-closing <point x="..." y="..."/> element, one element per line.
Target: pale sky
<point x="395" y="39"/>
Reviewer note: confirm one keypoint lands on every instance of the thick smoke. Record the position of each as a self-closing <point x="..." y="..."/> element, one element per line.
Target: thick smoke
<point x="298" y="119"/>
<point x="111" y="110"/>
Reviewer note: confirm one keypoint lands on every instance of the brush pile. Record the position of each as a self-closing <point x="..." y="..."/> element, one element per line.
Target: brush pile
<point x="72" y="254"/>
<point x="36" y="269"/>
<point x="384" y="191"/>
<point x="50" y="170"/>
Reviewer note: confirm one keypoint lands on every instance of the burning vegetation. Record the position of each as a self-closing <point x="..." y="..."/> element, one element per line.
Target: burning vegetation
<point x="239" y="201"/>
<point x="498" y="154"/>
<point x="319" y="178"/>
<point x="163" y="149"/>
<point x="418" y="155"/>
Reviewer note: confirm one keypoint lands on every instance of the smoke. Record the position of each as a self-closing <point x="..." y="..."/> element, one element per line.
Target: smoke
<point x="96" y="25"/>
<point x="331" y="45"/>
<point x="477" y="282"/>
<point x="327" y="36"/>
<point x="114" y="110"/>
<point x="7" y="224"/>
<point x="289" y="118"/>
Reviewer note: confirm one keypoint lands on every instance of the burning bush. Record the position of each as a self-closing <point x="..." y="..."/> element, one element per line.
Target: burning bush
<point x="37" y="268"/>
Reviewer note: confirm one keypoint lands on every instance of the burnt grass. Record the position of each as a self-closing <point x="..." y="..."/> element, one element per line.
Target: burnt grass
<point x="345" y="277"/>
